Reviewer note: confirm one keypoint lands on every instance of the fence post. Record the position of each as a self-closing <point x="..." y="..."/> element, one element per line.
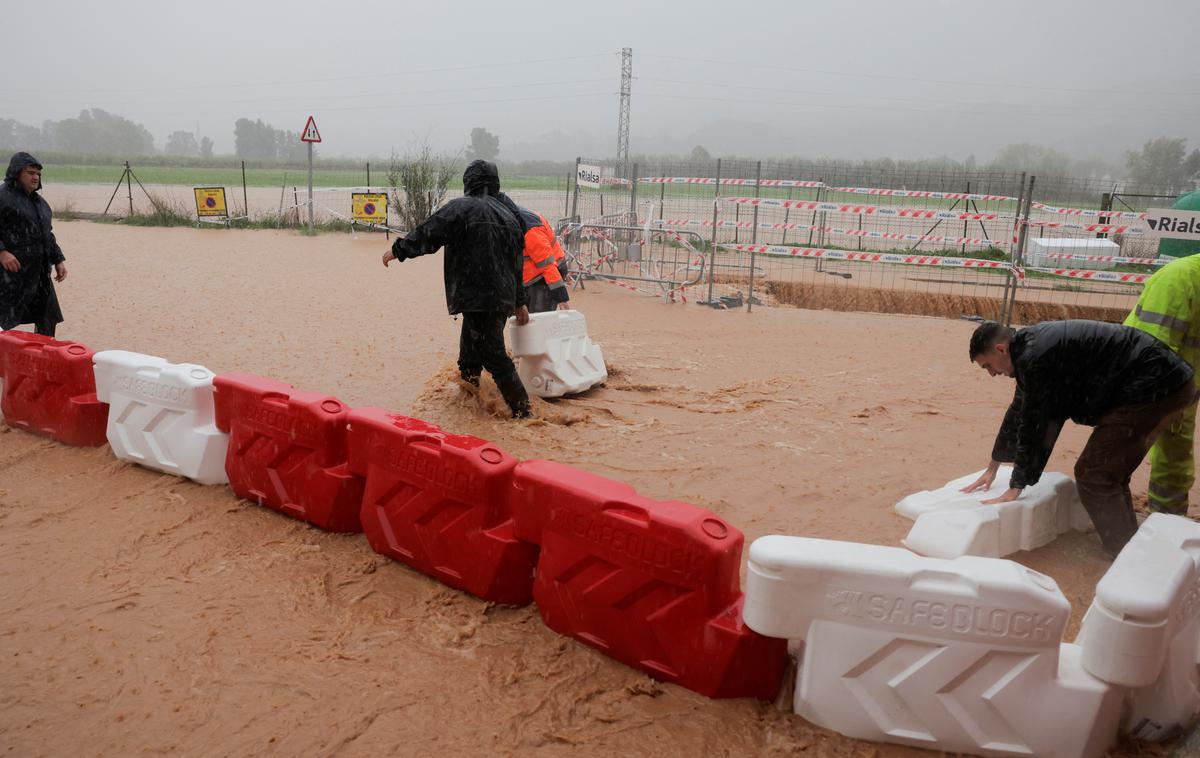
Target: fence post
<point x="712" y="253"/>
<point x="1010" y="281"/>
<point x="633" y="178"/>
<point x="787" y="212"/>
<point x="965" y="222"/>
<point x="245" y="202"/>
<point x="129" y="185"/>
<point x="1024" y="238"/>
<point x="1106" y="201"/>
<point x="575" y="196"/>
<point x="1017" y="255"/>
<point x="820" y="267"/>
<point x="754" y="237"/>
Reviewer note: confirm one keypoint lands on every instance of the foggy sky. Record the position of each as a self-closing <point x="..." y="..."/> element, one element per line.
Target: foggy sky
<point x="864" y="79"/>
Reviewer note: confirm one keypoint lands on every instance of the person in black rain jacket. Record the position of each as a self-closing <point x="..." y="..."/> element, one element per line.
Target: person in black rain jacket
<point x="28" y="250"/>
<point x="1120" y="380"/>
<point x="482" y="271"/>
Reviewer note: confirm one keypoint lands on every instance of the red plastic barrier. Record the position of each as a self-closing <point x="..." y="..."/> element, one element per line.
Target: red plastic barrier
<point x="287" y="450"/>
<point x="651" y="583"/>
<point x="439" y="503"/>
<point x="50" y="389"/>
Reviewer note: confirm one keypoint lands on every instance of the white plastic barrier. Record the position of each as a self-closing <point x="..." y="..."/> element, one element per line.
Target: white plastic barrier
<point x="950" y="523"/>
<point x="960" y="655"/>
<point x="1143" y="627"/>
<point x="556" y="357"/>
<point x="161" y="414"/>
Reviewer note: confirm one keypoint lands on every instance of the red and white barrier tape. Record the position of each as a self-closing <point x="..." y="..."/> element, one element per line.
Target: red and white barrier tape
<point x="784" y="251"/>
<point x="1095" y="276"/>
<point x="921" y="193"/>
<point x="729" y="182"/>
<point x="1089" y="213"/>
<point x="832" y="230"/>
<point x="876" y="191"/>
<point x="934" y="260"/>
<point x="1111" y="259"/>
<point x="1095" y="228"/>
<point x="867" y="210"/>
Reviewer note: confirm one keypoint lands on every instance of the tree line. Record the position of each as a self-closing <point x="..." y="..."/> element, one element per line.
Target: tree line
<point x="98" y="132"/>
<point x="1163" y="161"/>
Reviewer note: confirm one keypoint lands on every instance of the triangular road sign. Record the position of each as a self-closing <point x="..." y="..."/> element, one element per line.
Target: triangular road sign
<point x="310" y="133"/>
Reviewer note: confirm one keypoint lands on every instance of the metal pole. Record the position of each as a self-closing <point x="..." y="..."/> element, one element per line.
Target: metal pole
<point x="114" y="193"/>
<point x="633" y="196"/>
<point x="368" y="175"/>
<point x="712" y="253"/>
<point x="129" y="186"/>
<point x="1002" y="317"/>
<point x="813" y="220"/>
<point x="965" y="222"/>
<point x="754" y="237"/>
<point x="1020" y="251"/>
<point x="575" y="197"/>
<point x="310" y="182"/>
<point x="820" y="267"/>
<point x="1010" y="282"/>
<point x="245" y="202"/>
<point x="787" y="212"/>
<point x="1105" y="205"/>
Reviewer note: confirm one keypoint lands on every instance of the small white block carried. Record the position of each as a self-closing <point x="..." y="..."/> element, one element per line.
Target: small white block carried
<point x="956" y="655"/>
<point x="555" y="355"/>
<point x="950" y="523"/>
<point x="1143" y="628"/>
<point x="161" y="414"/>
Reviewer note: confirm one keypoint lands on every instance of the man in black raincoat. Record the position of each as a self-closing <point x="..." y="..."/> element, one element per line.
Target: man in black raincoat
<point x="28" y="250"/>
<point x="1120" y="380"/>
<point x="482" y="271"/>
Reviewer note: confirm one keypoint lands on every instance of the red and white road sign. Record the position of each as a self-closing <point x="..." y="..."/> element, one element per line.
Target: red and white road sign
<point x="310" y="133"/>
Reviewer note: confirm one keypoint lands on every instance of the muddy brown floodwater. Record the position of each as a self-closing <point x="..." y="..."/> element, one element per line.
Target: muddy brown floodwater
<point x="144" y="614"/>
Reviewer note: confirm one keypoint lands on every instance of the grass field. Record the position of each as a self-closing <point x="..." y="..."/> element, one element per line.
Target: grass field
<point x="255" y="177"/>
<point x="71" y="173"/>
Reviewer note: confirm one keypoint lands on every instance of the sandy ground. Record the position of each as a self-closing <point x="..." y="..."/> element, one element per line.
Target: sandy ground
<point x="144" y="614"/>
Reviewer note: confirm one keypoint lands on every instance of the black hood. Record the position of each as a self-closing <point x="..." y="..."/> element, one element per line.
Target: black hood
<point x="481" y="178"/>
<point x="18" y="163"/>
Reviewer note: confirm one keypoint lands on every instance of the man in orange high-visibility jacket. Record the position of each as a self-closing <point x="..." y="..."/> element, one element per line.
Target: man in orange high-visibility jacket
<point x="545" y="266"/>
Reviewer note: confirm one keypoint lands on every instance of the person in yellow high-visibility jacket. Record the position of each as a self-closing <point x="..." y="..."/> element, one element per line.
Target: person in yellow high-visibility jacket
<point x="1169" y="309"/>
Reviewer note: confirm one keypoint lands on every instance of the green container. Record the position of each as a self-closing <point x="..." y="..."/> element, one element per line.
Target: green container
<point x="1168" y="248"/>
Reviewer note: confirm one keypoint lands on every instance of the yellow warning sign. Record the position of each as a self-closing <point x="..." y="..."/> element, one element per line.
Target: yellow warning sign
<point x="369" y="206"/>
<point x="210" y="201"/>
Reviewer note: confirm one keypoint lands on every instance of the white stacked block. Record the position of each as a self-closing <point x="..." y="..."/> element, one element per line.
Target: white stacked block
<point x="1143" y="628"/>
<point x="555" y="355"/>
<point x="950" y="523"/>
<point x="161" y="414"/>
<point x="960" y="655"/>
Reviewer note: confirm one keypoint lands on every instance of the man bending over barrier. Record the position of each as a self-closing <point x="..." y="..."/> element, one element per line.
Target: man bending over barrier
<point x="1122" y="381"/>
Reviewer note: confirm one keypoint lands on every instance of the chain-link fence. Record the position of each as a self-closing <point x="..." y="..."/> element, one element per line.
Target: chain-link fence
<point x="905" y="240"/>
<point x="908" y="241"/>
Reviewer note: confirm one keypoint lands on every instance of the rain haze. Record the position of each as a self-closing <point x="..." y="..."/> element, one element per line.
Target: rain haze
<point x="769" y="79"/>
